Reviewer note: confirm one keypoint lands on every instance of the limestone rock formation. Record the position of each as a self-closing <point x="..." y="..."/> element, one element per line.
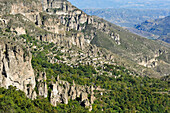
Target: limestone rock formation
<point x="41" y="85"/>
<point x="59" y="21"/>
<point x="116" y="37"/>
<point x="62" y="91"/>
<point x="56" y="16"/>
<point x="16" y="68"/>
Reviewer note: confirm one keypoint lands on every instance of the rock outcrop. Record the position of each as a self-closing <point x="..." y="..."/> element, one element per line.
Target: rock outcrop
<point x="62" y="92"/>
<point x="59" y="21"/>
<point x="59" y="17"/>
<point x="72" y="33"/>
<point x="16" y="68"/>
<point x="42" y="85"/>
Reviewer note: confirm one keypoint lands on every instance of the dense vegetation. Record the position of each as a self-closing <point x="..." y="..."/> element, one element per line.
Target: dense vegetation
<point x="122" y="91"/>
<point x="127" y="95"/>
<point x="13" y="101"/>
<point x="116" y="89"/>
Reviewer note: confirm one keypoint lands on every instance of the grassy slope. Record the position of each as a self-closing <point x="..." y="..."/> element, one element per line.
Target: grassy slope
<point x="132" y="46"/>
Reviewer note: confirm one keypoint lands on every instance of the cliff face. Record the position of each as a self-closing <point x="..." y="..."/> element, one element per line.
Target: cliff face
<point x="62" y="91"/>
<point x="59" y="17"/>
<point x="75" y="36"/>
<point x="15" y="68"/>
<point x="59" y="21"/>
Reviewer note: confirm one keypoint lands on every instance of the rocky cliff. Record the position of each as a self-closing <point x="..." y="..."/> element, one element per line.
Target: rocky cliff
<point x="66" y="35"/>
<point x="16" y="68"/>
<point x="62" y="92"/>
<point x="59" y="20"/>
<point x="59" y="17"/>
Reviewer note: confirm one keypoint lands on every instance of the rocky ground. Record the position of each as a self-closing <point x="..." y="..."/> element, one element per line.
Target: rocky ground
<point x="66" y="35"/>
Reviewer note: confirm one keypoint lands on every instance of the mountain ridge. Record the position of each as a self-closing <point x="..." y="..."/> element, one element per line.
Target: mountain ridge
<point x="44" y="21"/>
<point x="159" y="27"/>
<point x="128" y="17"/>
<point x="75" y="57"/>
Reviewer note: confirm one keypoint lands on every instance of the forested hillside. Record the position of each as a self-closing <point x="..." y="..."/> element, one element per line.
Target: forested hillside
<point x="54" y="58"/>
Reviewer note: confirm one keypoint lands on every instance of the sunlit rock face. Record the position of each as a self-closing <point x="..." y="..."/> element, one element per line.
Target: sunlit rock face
<point x="16" y="68"/>
<point x="63" y="91"/>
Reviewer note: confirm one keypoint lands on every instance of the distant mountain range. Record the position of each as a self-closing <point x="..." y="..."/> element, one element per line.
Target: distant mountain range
<point x="128" y="17"/>
<point x="159" y="27"/>
<point x="154" y="22"/>
<point x="69" y="62"/>
<point x="121" y="4"/>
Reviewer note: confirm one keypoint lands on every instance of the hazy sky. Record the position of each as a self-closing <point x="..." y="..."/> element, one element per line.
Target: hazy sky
<point x="156" y="4"/>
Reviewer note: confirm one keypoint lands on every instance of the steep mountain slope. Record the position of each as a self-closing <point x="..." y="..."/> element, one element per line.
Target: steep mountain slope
<point x="159" y="27"/>
<point x="75" y="57"/>
<point x="145" y="52"/>
<point x="51" y="22"/>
